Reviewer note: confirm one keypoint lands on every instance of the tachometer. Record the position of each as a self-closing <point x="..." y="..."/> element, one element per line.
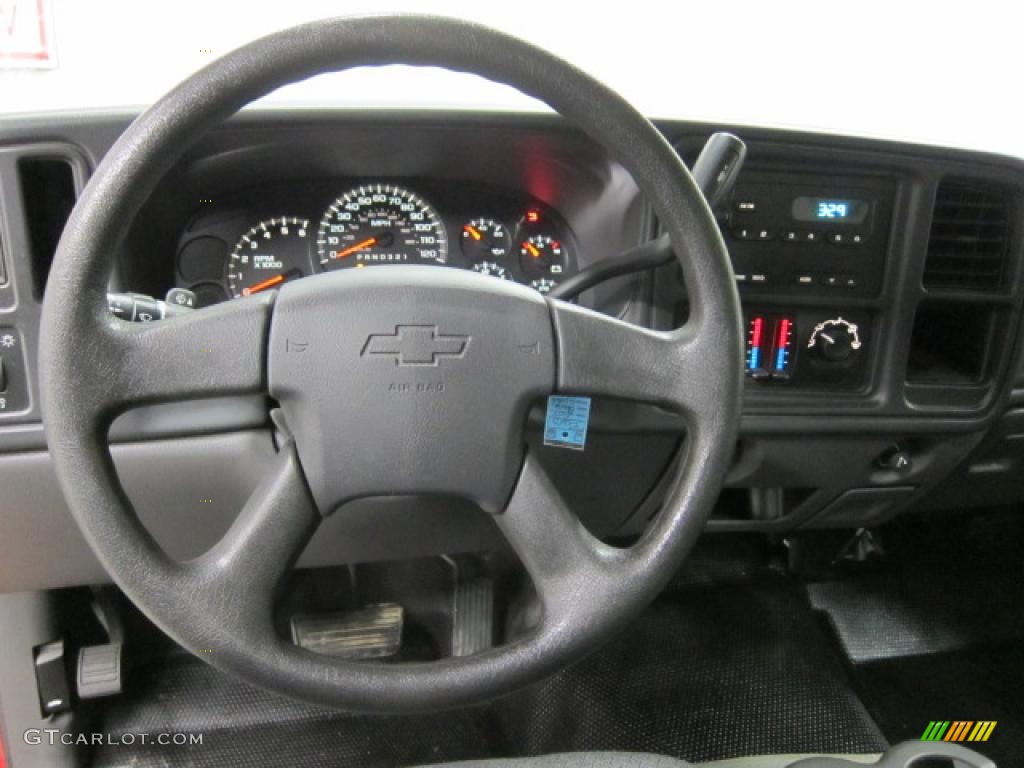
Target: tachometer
<point x="267" y="255"/>
<point x="380" y="224"/>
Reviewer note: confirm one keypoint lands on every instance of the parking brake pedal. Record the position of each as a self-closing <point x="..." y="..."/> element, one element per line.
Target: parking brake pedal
<point x="374" y="632"/>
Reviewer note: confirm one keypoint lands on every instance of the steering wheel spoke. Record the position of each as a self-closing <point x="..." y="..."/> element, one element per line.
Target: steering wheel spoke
<point x="564" y="560"/>
<point x="218" y="351"/>
<point x="600" y="355"/>
<point x="241" y="573"/>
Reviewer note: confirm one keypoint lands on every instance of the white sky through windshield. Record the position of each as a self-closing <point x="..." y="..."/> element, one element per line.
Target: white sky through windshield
<point x="936" y="72"/>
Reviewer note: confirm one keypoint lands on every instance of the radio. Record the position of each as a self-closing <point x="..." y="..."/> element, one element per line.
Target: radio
<point x="792" y="234"/>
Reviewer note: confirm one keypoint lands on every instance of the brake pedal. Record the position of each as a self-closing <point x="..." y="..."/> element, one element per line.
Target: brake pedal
<point x="374" y="632"/>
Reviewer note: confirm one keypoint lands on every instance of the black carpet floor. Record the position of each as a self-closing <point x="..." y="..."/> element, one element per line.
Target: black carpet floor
<point x="709" y="672"/>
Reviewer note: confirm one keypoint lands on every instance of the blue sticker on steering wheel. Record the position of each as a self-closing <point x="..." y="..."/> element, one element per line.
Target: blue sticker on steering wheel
<point x="565" y="425"/>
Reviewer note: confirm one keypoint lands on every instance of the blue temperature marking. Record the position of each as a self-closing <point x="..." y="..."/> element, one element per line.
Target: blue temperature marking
<point x="780" y="360"/>
<point x="755" y="358"/>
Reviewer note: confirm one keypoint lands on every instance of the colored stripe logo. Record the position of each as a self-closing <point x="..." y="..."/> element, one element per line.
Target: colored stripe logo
<point x="958" y="730"/>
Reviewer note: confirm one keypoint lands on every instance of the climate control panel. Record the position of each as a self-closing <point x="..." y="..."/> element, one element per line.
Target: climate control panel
<point x="808" y="348"/>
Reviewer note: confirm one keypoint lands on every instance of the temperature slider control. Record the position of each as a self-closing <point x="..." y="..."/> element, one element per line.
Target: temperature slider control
<point x="769" y="347"/>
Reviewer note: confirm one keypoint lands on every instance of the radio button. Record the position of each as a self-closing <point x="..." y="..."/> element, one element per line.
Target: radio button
<point x="752" y="233"/>
<point x="811" y="237"/>
<point x="842" y="281"/>
<point x="805" y="280"/>
<point x="791" y="236"/>
<point x="846" y="238"/>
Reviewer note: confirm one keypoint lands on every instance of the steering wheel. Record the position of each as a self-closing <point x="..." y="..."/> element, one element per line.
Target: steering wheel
<point x="423" y="355"/>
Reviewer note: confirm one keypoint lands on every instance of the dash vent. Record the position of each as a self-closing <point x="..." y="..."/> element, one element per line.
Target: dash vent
<point x="48" y="195"/>
<point x="968" y="242"/>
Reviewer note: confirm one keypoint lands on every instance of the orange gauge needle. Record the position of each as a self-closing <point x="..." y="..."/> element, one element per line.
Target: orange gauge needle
<point x="270" y="282"/>
<point x="357" y="247"/>
<point x="532" y="249"/>
<point x="473" y="232"/>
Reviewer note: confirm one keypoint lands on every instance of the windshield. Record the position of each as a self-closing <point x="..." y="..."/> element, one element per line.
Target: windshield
<point x="913" y="71"/>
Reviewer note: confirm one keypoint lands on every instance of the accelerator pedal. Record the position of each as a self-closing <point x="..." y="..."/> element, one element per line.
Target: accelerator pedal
<point x="374" y="632"/>
<point x="473" y="616"/>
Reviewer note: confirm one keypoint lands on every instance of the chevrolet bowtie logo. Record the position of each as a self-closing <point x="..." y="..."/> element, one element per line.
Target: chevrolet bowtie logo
<point x="415" y="345"/>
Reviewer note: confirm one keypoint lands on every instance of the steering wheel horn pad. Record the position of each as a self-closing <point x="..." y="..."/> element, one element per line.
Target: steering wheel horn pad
<point x="467" y="355"/>
<point x="409" y="380"/>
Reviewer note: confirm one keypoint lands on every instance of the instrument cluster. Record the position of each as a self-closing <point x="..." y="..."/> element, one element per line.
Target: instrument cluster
<point x="260" y="239"/>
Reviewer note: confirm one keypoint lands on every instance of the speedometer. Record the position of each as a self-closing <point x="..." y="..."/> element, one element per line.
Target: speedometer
<point x="380" y="224"/>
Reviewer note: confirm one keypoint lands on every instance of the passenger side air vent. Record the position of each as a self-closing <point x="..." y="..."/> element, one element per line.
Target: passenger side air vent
<point x="968" y="242"/>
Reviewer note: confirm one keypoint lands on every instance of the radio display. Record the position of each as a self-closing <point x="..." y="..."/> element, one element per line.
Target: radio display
<point x="830" y="209"/>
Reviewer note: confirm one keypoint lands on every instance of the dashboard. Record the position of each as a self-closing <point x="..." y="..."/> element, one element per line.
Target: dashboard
<point x="259" y="238"/>
<point x="881" y="287"/>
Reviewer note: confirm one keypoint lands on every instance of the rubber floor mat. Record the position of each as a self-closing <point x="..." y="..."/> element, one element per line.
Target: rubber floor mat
<point x="982" y="683"/>
<point x="708" y="672"/>
<point x="958" y="586"/>
<point x="245" y="727"/>
<point x="705" y="674"/>
<point x="890" y="617"/>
